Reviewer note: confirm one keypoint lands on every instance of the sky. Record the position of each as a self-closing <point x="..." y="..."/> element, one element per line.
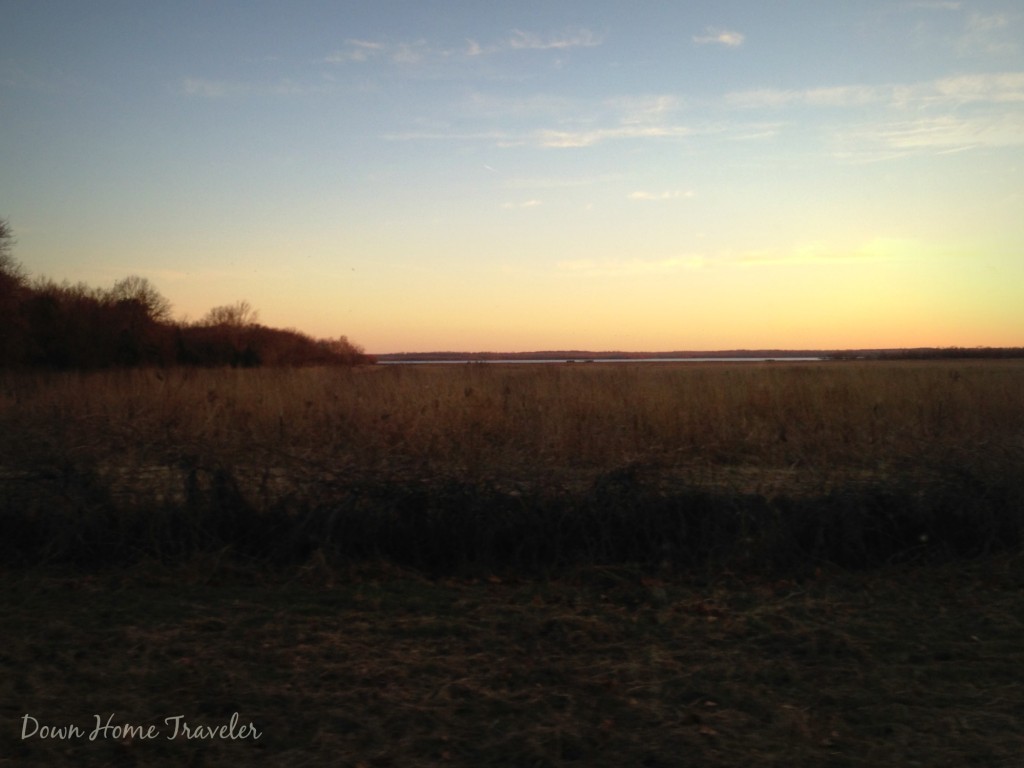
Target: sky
<point x="564" y="174"/>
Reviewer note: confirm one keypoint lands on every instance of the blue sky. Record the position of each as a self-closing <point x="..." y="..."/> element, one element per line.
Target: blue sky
<point x="455" y="175"/>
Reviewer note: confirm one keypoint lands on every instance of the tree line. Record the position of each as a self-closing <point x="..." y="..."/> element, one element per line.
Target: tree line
<point x="45" y="324"/>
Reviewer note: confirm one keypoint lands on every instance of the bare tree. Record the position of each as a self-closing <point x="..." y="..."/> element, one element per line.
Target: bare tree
<point x="344" y="351"/>
<point x="141" y="292"/>
<point x="12" y="275"/>
<point x="13" y="333"/>
<point x="237" y="315"/>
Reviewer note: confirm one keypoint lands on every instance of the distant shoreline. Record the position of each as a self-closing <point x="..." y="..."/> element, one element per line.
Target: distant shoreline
<point x="732" y="355"/>
<point x="599" y="360"/>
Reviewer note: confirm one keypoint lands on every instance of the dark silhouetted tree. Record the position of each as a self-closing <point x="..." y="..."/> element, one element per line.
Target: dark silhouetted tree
<point x="235" y="327"/>
<point x="13" y="292"/>
<point x="237" y="315"/>
<point x="140" y="316"/>
<point x="11" y="272"/>
<point x="346" y="351"/>
<point x="51" y="325"/>
<point x="139" y="292"/>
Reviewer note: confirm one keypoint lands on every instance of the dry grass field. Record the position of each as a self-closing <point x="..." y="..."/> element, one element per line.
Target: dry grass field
<point x="495" y="465"/>
<point x="508" y="565"/>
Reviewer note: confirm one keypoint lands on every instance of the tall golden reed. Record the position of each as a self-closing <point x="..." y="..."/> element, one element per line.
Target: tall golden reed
<point x="771" y="424"/>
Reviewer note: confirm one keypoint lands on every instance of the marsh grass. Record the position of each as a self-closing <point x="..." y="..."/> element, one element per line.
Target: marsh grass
<point x="507" y="565"/>
<point x="493" y="466"/>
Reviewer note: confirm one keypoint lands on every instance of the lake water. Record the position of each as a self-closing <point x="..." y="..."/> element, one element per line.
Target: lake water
<point x="563" y="360"/>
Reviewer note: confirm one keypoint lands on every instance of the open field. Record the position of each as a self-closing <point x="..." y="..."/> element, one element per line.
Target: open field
<point x="896" y="666"/>
<point x="479" y="466"/>
<point x="665" y="565"/>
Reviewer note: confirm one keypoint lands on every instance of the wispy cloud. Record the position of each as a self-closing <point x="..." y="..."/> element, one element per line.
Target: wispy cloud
<point x="752" y="131"/>
<point x="1002" y="87"/>
<point x="522" y="40"/>
<point x="525" y="204"/>
<point x="205" y="88"/>
<point x="356" y="50"/>
<point x="945" y="134"/>
<point x="716" y="36"/>
<point x="403" y="53"/>
<point x="558" y="182"/>
<point x="582" y="38"/>
<point x="574" y="123"/>
<point x="950" y="114"/>
<point x="835" y="96"/>
<point x="561" y="139"/>
<point x="991" y="87"/>
<point x="668" y="194"/>
<point x="645" y="109"/>
<point x="987" y="35"/>
<point x="984" y="34"/>
<point x="495" y="106"/>
<point x="635" y="117"/>
<point x="416" y="51"/>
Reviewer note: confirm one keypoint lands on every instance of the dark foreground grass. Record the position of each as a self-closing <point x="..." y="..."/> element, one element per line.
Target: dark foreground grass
<point x="447" y="527"/>
<point x="792" y="566"/>
<point x="372" y="666"/>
